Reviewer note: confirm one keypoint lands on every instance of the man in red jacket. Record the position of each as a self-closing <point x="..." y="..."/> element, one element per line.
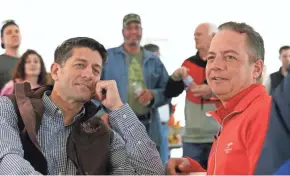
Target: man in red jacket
<point x="234" y="66"/>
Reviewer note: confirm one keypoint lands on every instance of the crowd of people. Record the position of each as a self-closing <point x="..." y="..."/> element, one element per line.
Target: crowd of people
<point x="96" y="111"/>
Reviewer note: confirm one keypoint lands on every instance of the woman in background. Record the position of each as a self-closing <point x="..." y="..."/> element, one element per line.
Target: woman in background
<point x="30" y="68"/>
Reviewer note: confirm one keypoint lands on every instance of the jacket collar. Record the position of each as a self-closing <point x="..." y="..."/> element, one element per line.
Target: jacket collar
<point x="239" y="102"/>
<point x="196" y="59"/>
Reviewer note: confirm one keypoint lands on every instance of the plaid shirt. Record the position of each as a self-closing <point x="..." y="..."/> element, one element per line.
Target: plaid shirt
<point x="132" y="152"/>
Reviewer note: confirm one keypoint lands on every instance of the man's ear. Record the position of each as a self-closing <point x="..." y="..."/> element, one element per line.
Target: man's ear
<point x="54" y="70"/>
<point x="258" y="68"/>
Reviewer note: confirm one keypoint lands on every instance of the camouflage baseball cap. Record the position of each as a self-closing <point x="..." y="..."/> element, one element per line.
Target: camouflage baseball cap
<point x="130" y="18"/>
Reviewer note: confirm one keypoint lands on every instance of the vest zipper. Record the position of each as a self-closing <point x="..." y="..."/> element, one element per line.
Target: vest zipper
<point x="216" y="148"/>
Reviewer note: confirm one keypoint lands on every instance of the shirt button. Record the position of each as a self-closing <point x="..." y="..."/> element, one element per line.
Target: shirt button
<point x="59" y="111"/>
<point x="124" y="116"/>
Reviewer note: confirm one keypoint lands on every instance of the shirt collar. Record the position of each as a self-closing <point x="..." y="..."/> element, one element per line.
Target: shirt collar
<point x="54" y="110"/>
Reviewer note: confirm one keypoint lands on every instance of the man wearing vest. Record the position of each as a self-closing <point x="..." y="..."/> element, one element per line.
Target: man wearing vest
<point x="276" y="78"/>
<point x="199" y="128"/>
<point x="10" y="41"/>
<point x="66" y="137"/>
<point x="140" y="75"/>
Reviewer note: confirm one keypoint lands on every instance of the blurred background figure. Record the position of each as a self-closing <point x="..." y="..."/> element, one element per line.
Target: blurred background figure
<point x="199" y="129"/>
<point x="276" y="78"/>
<point x="153" y="48"/>
<point x="30" y="68"/>
<point x="141" y="78"/>
<point x="10" y="41"/>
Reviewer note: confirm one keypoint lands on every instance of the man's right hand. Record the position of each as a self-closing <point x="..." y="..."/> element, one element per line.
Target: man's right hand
<point x="183" y="166"/>
<point x="111" y="99"/>
<point x="178" y="166"/>
<point x="179" y="74"/>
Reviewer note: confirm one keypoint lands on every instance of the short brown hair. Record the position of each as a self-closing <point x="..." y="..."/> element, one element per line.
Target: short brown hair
<point x="65" y="50"/>
<point x="19" y="72"/>
<point x="254" y="40"/>
<point x="286" y="47"/>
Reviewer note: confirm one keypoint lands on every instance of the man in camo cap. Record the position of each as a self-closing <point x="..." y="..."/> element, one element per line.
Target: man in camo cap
<point x="131" y="18"/>
<point x="141" y="78"/>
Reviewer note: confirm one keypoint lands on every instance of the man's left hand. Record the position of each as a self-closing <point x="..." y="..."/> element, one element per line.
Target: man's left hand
<point x="203" y="91"/>
<point x="145" y="96"/>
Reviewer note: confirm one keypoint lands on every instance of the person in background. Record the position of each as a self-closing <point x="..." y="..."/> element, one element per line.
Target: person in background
<point x="140" y="75"/>
<point x="164" y="152"/>
<point x="199" y="128"/>
<point x="275" y="155"/>
<point x="10" y="41"/>
<point x="30" y="68"/>
<point x="276" y="78"/>
<point x="153" y="48"/>
<point x="234" y="67"/>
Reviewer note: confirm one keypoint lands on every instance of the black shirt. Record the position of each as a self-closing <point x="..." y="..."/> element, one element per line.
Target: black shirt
<point x="7" y="65"/>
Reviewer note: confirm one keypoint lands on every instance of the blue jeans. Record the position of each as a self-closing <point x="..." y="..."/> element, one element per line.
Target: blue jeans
<point x="164" y="144"/>
<point x="197" y="151"/>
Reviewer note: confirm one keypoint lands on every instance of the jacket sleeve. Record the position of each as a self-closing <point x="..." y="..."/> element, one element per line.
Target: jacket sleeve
<point x="11" y="153"/>
<point x="158" y="92"/>
<point x="276" y="146"/>
<point x="173" y="88"/>
<point x="141" y="150"/>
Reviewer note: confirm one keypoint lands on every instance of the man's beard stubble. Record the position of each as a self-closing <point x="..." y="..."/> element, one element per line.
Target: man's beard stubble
<point x="132" y="43"/>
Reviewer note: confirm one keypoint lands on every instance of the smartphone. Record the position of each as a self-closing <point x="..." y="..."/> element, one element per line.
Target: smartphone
<point x="104" y="91"/>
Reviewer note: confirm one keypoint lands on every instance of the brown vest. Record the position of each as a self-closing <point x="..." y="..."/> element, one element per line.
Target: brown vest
<point x="88" y="144"/>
